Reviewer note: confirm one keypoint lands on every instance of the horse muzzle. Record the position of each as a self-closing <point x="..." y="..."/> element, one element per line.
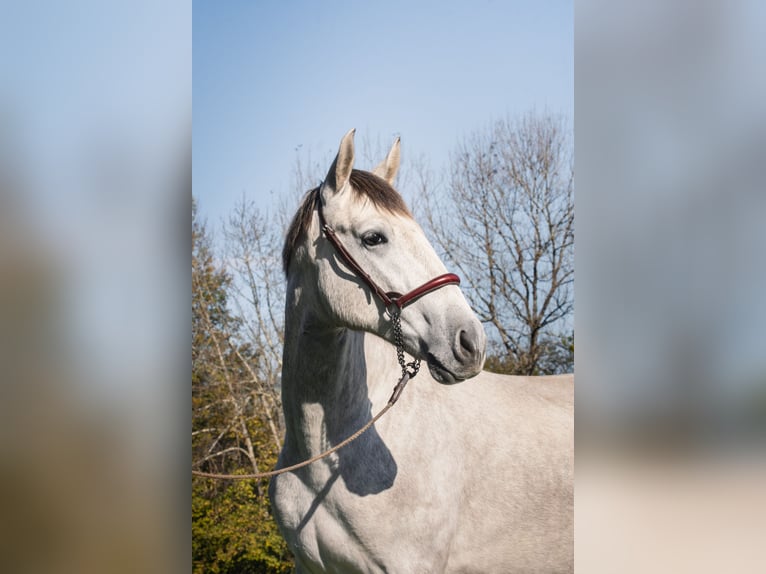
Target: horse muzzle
<point x="467" y="356"/>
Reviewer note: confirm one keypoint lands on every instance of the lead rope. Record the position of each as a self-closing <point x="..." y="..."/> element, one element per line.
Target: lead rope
<point x="409" y="370"/>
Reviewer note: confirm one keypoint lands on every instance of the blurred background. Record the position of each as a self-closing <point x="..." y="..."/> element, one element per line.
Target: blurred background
<point x="670" y="125"/>
<point x="95" y="180"/>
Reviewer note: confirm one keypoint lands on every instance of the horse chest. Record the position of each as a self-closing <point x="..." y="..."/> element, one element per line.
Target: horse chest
<point x="334" y="530"/>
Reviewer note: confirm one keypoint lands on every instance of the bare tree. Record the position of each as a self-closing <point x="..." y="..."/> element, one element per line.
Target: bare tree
<point x="252" y="247"/>
<point x="234" y="408"/>
<point x="508" y="225"/>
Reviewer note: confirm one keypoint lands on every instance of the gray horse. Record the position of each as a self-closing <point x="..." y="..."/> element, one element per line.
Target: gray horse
<point x="469" y="477"/>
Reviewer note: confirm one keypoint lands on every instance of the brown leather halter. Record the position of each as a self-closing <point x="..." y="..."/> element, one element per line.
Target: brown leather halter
<point x="393" y="301"/>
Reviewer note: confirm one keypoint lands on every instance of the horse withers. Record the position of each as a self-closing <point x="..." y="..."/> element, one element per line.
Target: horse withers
<point x="463" y="475"/>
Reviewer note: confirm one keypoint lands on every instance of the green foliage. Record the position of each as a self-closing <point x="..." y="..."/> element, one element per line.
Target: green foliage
<point x="233" y="530"/>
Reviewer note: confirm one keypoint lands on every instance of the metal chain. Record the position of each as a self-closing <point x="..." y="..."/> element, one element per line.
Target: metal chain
<point x="399" y="340"/>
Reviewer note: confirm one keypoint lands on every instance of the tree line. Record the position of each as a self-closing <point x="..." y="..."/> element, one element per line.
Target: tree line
<point x="502" y="216"/>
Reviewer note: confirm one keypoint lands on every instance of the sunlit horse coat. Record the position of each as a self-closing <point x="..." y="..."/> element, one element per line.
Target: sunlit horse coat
<point x="467" y="477"/>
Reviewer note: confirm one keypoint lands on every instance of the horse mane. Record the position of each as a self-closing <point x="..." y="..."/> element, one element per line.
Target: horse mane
<point x="365" y="185"/>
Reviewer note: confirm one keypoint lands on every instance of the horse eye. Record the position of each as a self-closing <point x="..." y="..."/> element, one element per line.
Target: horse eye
<point x="373" y="239"/>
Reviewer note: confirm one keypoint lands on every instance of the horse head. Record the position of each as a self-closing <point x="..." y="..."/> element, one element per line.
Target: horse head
<point x="354" y="243"/>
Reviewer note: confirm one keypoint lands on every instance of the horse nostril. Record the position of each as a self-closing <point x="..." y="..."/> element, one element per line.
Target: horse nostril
<point x="467" y="344"/>
<point x="468" y="347"/>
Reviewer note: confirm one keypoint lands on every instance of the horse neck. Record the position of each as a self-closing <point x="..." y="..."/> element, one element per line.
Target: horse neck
<point x="327" y="390"/>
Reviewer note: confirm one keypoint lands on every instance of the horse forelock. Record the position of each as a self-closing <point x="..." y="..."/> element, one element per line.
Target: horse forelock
<point x="369" y="186"/>
<point x="364" y="185"/>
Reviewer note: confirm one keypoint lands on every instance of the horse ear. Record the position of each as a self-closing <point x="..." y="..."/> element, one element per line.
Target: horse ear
<point x="389" y="167"/>
<point x="341" y="167"/>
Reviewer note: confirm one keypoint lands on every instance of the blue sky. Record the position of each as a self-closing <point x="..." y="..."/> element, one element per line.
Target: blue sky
<point x="269" y="77"/>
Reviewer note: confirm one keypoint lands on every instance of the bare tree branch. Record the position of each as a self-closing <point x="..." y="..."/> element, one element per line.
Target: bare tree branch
<point x="505" y="220"/>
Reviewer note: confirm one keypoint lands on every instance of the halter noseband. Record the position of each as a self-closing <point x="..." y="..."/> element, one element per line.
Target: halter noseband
<point x="393" y="301"/>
